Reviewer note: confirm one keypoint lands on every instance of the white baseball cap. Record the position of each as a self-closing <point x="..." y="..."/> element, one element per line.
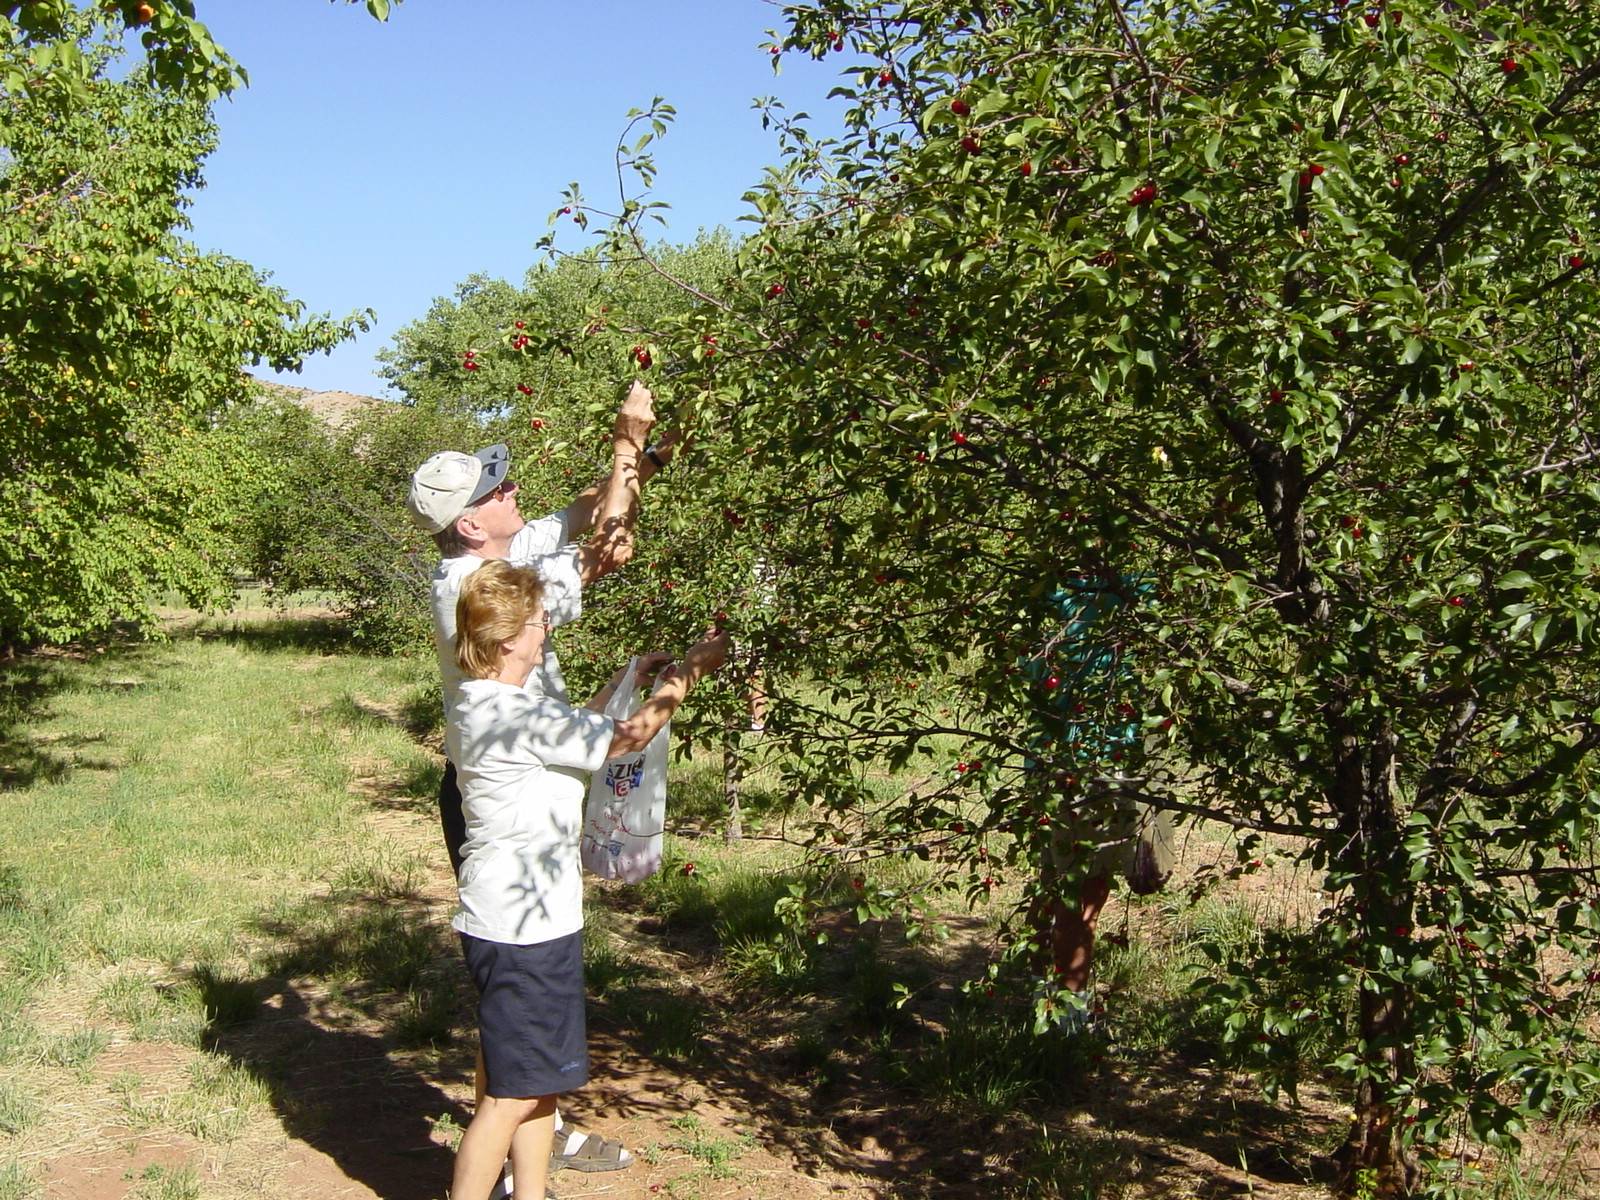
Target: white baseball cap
<point x="450" y="482"/>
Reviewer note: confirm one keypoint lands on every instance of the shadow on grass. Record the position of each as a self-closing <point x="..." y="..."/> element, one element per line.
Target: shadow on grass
<point x="26" y="686"/>
<point x="357" y="991"/>
<point x="342" y="1091"/>
<point x="308" y="635"/>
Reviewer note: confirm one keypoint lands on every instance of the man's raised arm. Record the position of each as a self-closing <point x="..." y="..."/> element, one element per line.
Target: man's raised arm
<point x="615" y="507"/>
<point x="582" y="511"/>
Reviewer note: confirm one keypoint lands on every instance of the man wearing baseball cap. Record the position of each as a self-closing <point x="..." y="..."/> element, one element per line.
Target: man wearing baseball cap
<point x="468" y="502"/>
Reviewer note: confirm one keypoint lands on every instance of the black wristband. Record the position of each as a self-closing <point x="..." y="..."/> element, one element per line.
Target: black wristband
<point x="650" y="453"/>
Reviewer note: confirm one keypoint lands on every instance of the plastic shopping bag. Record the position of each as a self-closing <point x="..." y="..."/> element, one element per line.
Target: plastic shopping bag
<point x="626" y="812"/>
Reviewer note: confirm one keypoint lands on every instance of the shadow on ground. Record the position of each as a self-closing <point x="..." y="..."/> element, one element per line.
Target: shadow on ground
<point x="951" y="1100"/>
<point x="306" y="635"/>
<point x="358" y="988"/>
<point x="825" y="1069"/>
<point x="343" y="1092"/>
<point x="29" y="684"/>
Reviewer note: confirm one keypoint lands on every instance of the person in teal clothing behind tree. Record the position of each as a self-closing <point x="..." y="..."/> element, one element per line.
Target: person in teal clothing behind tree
<point x="1095" y="738"/>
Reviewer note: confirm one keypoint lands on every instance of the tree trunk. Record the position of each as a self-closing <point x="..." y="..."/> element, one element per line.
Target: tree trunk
<point x="1373" y="1160"/>
<point x="732" y="777"/>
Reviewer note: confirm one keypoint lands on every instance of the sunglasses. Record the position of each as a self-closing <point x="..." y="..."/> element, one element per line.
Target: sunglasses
<point x="504" y="488"/>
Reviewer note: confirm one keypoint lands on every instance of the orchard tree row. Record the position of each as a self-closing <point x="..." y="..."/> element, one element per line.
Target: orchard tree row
<point x="1274" y="320"/>
<point x="120" y="344"/>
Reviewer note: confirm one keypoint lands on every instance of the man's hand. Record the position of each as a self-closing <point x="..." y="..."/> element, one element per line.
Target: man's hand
<point x="634" y="418"/>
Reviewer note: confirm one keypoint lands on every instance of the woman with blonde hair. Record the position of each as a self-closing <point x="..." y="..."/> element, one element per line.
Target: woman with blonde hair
<point x="523" y="760"/>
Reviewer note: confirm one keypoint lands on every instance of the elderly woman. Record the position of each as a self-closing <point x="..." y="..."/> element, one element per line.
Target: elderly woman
<point x="523" y="759"/>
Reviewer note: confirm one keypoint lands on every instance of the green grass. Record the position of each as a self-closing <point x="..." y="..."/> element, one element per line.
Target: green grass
<point x="202" y="835"/>
<point x="19" y="1108"/>
<point x="215" y="1103"/>
<point x="714" y="1156"/>
<point x="16" y="1182"/>
<point x="166" y="1183"/>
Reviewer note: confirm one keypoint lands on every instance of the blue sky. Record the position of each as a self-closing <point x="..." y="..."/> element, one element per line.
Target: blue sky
<point x="377" y="165"/>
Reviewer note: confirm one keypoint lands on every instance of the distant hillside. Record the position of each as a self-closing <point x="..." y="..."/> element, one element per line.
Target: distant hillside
<point x="337" y="409"/>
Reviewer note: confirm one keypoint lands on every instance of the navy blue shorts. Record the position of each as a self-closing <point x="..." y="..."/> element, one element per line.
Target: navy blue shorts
<point x="451" y="817"/>
<point x="530" y="1015"/>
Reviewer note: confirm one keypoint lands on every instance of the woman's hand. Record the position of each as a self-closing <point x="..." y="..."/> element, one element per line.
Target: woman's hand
<point x="710" y="652"/>
<point x="648" y="666"/>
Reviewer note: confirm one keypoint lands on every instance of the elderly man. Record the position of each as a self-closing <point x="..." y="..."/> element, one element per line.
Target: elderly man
<point x="468" y="502"/>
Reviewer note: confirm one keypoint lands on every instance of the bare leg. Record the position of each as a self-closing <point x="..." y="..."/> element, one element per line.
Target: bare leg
<point x="1072" y="933"/>
<point x="530" y="1152"/>
<point x="482" y="1153"/>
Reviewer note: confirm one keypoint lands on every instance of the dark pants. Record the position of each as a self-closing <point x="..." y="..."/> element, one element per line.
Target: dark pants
<point x="451" y="818"/>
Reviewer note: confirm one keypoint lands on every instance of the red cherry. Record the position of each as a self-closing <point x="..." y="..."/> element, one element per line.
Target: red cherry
<point x="839" y="45"/>
<point x="469" y="365"/>
<point x="566" y="209"/>
<point x="1371" y="19"/>
<point x="524" y="389"/>
<point x="776" y="50"/>
<point x="961" y="768"/>
<point x="1052" y="682"/>
<point x="1403" y="159"/>
<point x="1510" y="65"/>
<point x="643" y="359"/>
<point x="863" y="322"/>
<point x="469" y="354"/>
<point x="521" y="324"/>
<point x="1456" y="601"/>
<point x="1026" y="169"/>
<point x="774" y="291"/>
<point x="958" y="827"/>
<point x="1576" y="262"/>
<point x="690" y="869"/>
<point x="1469" y="365"/>
<point x="1316" y="168"/>
<point x="885" y="78"/>
<point x="858" y="884"/>
<point x="960" y="107"/>
<point x="969" y="144"/>
<point x="1275" y="396"/>
<point x="537" y="424"/>
<point x="959" y="438"/>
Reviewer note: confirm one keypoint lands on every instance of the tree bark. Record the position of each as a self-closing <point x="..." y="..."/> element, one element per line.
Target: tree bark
<point x="732" y="778"/>
<point x="1373" y="1159"/>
